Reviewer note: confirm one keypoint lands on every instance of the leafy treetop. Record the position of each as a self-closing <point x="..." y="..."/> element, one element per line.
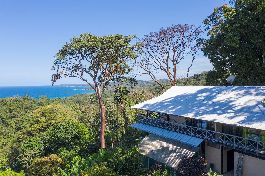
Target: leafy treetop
<point x="236" y="44"/>
<point x="97" y="59"/>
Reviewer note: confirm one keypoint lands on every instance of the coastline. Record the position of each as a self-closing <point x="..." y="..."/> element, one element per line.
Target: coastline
<point x="51" y="92"/>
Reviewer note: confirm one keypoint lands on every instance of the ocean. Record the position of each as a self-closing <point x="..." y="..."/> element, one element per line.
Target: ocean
<point x="40" y="91"/>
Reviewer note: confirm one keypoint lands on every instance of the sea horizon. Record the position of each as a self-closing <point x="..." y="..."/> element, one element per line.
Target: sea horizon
<point x="84" y="85"/>
<point x="49" y="91"/>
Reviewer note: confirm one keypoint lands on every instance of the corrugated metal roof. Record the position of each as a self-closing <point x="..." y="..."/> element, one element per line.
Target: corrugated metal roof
<point x="237" y="105"/>
<point x="164" y="151"/>
<point x="185" y="139"/>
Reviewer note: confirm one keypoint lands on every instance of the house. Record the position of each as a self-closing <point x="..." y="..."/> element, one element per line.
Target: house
<point x="224" y="124"/>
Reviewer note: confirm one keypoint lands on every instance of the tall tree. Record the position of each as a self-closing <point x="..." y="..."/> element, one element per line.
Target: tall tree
<point x="97" y="61"/>
<point x="236" y="43"/>
<point x="162" y="51"/>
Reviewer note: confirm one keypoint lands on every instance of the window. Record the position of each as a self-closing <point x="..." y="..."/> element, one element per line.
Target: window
<point x="238" y="131"/>
<point x="210" y="126"/>
<point x="227" y="129"/>
<point x="190" y="122"/>
<point x="203" y="124"/>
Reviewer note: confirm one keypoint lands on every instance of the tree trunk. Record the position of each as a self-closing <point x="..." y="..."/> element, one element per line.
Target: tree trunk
<point x="102" y="117"/>
<point x="126" y="119"/>
<point x="175" y="74"/>
<point x="103" y="127"/>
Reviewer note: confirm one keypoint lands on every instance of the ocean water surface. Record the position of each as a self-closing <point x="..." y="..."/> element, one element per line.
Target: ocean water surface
<point x="40" y="91"/>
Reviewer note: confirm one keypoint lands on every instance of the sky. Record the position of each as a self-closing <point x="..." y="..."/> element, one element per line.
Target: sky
<point x="32" y="32"/>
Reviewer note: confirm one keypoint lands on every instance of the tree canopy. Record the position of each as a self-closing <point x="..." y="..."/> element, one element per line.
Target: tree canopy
<point x="96" y="60"/>
<point x="162" y="51"/>
<point x="236" y="43"/>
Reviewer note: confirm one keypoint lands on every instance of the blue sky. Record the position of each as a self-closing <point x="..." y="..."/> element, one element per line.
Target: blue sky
<point x="31" y="32"/>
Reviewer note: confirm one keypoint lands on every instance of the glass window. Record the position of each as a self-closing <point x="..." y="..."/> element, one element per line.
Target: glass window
<point x="238" y="131"/>
<point x="228" y="129"/>
<point x="210" y="126"/>
<point x="204" y="124"/>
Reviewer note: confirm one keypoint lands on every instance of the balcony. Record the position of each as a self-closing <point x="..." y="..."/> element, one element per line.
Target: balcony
<point x="244" y="145"/>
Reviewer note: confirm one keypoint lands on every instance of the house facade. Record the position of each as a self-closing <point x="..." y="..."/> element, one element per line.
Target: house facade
<point x="225" y="125"/>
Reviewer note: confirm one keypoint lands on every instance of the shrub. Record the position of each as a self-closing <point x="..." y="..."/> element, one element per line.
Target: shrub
<point x="123" y="162"/>
<point x="71" y="135"/>
<point x="159" y="172"/>
<point x="212" y="173"/>
<point x="99" y="169"/>
<point x="195" y="166"/>
<point x="74" y="167"/>
<point x="46" y="116"/>
<point x="65" y="136"/>
<point x="23" y="153"/>
<point x="10" y="172"/>
<point x="46" y="165"/>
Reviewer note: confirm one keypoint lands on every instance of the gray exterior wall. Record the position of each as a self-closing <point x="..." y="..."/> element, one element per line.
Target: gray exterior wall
<point x="213" y="156"/>
<point x="251" y="166"/>
<point x="225" y="160"/>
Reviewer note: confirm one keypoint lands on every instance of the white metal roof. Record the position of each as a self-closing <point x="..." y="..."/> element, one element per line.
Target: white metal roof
<point x="164" y="151"/>
<point x="236" y="105"/>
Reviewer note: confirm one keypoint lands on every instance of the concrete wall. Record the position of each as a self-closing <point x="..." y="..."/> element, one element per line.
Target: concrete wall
<point x="251" y="166"/>
<point x="213" y="155"/>
<point x="225" y="161"/>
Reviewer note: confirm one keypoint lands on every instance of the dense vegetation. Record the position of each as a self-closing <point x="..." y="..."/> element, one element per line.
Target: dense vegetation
<point x="62" y="136"/>
<point x="236" y="43"/>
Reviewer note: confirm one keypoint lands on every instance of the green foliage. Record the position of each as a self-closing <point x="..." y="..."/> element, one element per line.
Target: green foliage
<point x="101" y="58"/>
<point x="212" y="173"/>
<point x="75" y="166"/>
<point x="159" y="172"/>
<point x="59" y="138"/>
<point x="99" y="169"/>
<point x="121" y="94"/>
<point x="46" y="166"/>
<point x="123" y="162"/>
<point x="22" y="154"/>
<point x="46" y="116"/>
<point x="9" y="172"/>
<point x="96" y="60"/>
<point x="14" y="118"/>
<point x="236" y="42"/>
<point x="63" y="133"/>
<point x="71" y="135"/>
<point x="67" y="155"/>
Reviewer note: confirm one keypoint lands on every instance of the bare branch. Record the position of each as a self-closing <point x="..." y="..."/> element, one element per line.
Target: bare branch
<point x="164" y="50"/>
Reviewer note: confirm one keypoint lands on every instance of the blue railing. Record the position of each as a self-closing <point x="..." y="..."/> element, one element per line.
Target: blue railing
<point x="235" y="142"/>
